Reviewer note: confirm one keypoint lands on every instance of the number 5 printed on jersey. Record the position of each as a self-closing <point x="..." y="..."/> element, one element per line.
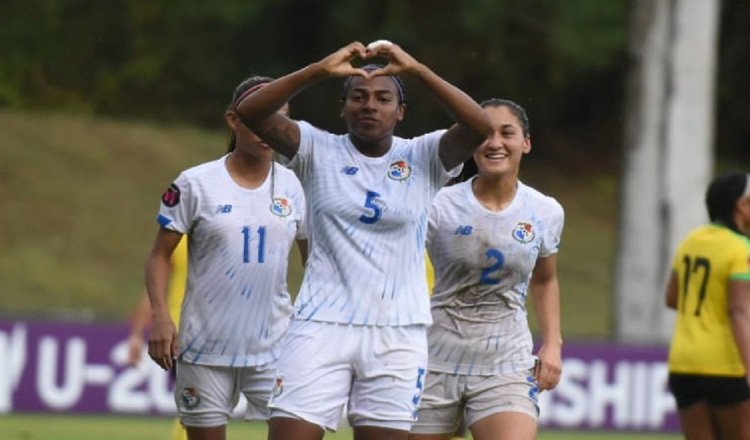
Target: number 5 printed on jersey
<point x="372" y="203"/>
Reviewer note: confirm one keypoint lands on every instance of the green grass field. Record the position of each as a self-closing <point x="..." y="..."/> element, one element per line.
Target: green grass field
<point x="59" y="427"/>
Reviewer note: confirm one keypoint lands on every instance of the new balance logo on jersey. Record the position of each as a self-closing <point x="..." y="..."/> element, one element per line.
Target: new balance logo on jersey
<point x="350" y="170"/>
<point x="464" y="230"/>
<point x="223" y="209"/>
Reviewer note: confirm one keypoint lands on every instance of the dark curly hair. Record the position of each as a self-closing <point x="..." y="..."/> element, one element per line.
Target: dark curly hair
<point x="722" y="196"/>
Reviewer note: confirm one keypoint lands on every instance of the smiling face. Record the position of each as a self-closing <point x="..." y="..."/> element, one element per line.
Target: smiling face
<point x="371" y="110"/>
<point x="500" y="154"/>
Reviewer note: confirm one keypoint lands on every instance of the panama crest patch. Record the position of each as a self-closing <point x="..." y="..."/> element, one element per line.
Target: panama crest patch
<point x="281" y="206"/>
<point x="399" y="170"/>
<point x="523" y="232"/>
<point x="190" y="397"/>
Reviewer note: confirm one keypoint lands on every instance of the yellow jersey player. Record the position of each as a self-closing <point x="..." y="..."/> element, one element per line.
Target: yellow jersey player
<point x="709" y="287"/>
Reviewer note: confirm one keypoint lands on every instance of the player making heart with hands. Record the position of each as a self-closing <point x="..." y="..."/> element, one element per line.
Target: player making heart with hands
<point x="368" y="193"/>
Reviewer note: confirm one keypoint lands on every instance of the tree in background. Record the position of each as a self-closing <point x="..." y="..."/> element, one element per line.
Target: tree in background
<point x="171" y="60"/>
<point x="668" y="153"/>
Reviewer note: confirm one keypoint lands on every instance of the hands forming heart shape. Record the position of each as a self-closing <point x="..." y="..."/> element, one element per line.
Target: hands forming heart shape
<point x="340" y="63"/>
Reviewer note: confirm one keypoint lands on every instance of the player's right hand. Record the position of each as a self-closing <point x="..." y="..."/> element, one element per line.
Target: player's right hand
<point x="162" y="344"/>
<point x="339" y="63"/>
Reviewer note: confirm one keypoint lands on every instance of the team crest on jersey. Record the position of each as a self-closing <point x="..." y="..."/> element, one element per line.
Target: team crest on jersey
<point x="278" y="387"/>
<point x="281" y="206"/>
<point x="523" y="232"/>
<point x="399" y="170"/>
<point x="171" y="196"/>
<point x="190" y="397"/>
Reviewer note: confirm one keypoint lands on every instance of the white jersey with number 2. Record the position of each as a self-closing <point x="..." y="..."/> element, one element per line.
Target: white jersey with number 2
<point x="483" y="264"/>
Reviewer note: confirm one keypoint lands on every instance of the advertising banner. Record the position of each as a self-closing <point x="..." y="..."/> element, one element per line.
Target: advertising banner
<point x="82" y="368"/>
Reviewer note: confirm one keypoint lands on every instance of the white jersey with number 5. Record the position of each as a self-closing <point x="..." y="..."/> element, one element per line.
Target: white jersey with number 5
<point x="367" y="221"/>
<point x="483" y="264"/>
<point x="237" y="305"/>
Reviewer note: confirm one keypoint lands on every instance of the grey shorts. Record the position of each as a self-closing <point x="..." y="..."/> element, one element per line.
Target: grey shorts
<point x="449" y="396"/>
<point x="206" y="395"/>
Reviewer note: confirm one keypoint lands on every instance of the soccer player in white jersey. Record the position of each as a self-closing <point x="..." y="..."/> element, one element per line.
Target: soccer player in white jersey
<point x="492" y="239"/>
<point x="358" y="333"/>
<point x="241" y="213"/>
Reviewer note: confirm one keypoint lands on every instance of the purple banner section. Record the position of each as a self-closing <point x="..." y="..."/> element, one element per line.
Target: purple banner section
<point x="608" y="386"/>
<point x="82" y="368"/>
<point x="66" y="367"/>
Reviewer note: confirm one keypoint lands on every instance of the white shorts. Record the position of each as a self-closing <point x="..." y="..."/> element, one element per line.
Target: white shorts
<point x="447" y="395"/>
<point x="207" y="394"/>
<point x="378" y="371"/>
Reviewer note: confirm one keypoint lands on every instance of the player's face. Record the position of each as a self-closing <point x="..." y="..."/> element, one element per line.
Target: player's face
<point x="371" y="108"/>
<point x="501" y="152"/>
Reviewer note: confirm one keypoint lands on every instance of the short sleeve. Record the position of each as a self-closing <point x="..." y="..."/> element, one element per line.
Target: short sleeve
<point x="177" y="206"/>
<point x="553" y="230"/>
<point x="439" y="174"/>
<point x="302" y="160"/>
<point x="740" y="263"/>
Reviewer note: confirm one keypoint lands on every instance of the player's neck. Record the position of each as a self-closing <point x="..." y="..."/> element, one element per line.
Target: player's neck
<point x="248" y="172"/>
<point x="372" y="148"/>
<point x="493" y="193"/>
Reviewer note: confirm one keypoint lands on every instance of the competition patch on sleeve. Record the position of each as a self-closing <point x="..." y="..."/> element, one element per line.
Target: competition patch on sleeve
<point x="171" y="196"/>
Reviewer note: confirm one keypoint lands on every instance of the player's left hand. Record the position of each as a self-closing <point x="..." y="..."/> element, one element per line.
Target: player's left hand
<point x="549" y="367"/>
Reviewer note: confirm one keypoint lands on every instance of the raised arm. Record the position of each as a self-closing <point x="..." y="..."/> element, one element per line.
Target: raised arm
<point x="472" y="123"/>
<point x="545" y="292"/>
<point x="258" y="110"/>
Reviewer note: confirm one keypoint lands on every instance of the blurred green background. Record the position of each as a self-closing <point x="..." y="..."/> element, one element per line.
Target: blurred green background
<point x="103" y="103"/>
